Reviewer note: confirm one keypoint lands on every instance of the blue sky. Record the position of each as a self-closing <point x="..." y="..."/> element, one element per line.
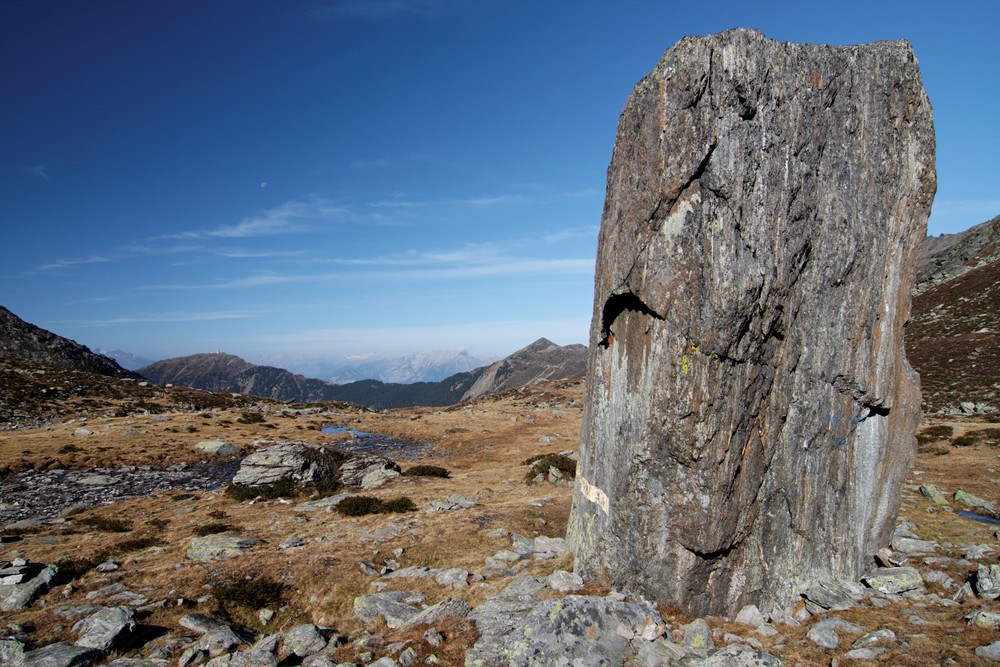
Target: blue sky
<point x="325" y="177"/>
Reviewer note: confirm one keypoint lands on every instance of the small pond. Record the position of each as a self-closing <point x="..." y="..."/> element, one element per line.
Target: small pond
<point x="378" y="443"/>
<point x="978" y="517"/>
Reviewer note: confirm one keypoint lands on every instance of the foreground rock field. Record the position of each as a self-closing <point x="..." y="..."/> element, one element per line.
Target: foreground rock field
<point x="183" y="573"/>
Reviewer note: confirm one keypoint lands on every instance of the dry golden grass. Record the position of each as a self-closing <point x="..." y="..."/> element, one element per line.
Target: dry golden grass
<point x="482" y="445"/>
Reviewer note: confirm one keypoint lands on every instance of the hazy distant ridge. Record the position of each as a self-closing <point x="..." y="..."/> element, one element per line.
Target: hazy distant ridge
<point x="542" y="360"/>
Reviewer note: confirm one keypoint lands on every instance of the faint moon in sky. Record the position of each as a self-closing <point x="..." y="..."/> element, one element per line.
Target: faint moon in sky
<point x="263" y="184"/>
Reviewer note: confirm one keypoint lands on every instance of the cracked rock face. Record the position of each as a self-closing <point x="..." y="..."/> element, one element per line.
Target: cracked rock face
<point x="750" y="410"/>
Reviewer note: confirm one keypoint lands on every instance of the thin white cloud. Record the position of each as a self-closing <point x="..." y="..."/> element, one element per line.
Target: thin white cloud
<point x="93" y="299"/>
<point x="492" y="337"/>
<point x="259" y="254"/>
<point x="503" y="199"/>
<point x="173" y="316"/>
<point x="288" y="218"/>
<point x="393" y="269"/>
<point x="76" y="261"/>
<point x="381" y="9"/>
<point x="589" y="232"/>
<point x="39" y="171"/>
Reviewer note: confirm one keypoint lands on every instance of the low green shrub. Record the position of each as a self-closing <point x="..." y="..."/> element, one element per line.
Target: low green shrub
<point x="251" y="418"/>
<point x="989" y="436"/>
<point x="934" y="434"/>
<point x="398" y="505"/>
<point x="106" y="525"/>
<point x="251" y="594"/>
<point x="362" y="505"/>
<point x="427" y="471"/>
<point x="212" y="529"/>
<point x="964" y="441"/>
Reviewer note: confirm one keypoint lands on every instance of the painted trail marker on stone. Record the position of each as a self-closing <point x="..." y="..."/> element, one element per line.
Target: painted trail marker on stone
<point x="750" y="410"/>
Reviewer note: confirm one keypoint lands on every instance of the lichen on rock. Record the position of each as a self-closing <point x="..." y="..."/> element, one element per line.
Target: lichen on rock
<point x="750" y="409"/>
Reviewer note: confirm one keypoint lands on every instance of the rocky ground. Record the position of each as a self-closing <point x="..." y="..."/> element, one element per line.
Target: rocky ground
<point x="176" y="571"/>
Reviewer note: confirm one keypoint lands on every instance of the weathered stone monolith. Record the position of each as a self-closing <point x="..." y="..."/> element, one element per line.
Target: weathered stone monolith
<point x="750" y="410"/>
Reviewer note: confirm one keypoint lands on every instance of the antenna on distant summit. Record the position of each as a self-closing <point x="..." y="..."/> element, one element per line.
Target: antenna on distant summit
<point x="218" y="350"/>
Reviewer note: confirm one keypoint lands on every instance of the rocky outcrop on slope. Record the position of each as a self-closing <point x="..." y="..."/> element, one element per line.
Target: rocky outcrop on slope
<point x="953" y="338"/>
<point x="542" y="360"/>
<point x="750" y="410"/>
<point x="947" y="256"/>
<point x="22" y="340"/>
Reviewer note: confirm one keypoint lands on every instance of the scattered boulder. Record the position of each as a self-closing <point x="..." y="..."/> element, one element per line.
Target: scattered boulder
<point x="109" y="627"/>
<point x="824" y="632"/>
<point x="452" y="503"/>
<point x="251" y="658"/>
<point x="988" y="581"/>
<point x="765" y="210"/>
<point x="62" y="654"/>
<point x="21" y="582"/>
<point x="11" y="652"/>
<point x="304" y="640"/>
<point x="750" y="615"/>
<point x="977" y="504"/>
<point x="456" y="577"/>
<point x="894" y="580"/>
<point x="697" y="635"/>
<point x="450" y="608"/>
<point x="565" y="582"/>
<point x="934" y="494"/>
<point x="354" y="470"/>
<point x="825" y="595"/>
<point x="377" y="478"/>
<point x="218" y="447"/>
<point x="990" y="651"/>
<point x="984" y="619"/>
<point x="396" y="607"/>
<point x="298" y="461"/>
<point x="563" y="631"/>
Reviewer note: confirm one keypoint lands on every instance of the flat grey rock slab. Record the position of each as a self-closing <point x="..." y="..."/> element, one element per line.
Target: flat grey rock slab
<point x="304" y="640"/>
<point x="575" y="630"/>
<point x="218" y="447"/>
<point x="216" y="547"/>
<point x="396" y="607"/>
<point x="61" y="655"/>
<point x="15" y="597"/>
<point x="739" y="655"/>
<point x="452" y="503"/>
<point x="894" y="580"/>
<point x="565" y="582"/>
<point x="251" y="658"/>
<point x="108" y="627"/>
<point x="990" y="651"/>
<point x="452" y="607"/>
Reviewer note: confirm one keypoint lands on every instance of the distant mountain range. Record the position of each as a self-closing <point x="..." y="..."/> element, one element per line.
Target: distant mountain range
<point x="418" y="367"/>
<point x="22" y="340"/>
<point x="542" y="360"/>
<point x="953" y="338"/>
<point x="125" y="359"/>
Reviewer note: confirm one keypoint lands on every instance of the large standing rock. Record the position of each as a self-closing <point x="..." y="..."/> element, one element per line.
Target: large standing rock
<point x="750" y="411"/>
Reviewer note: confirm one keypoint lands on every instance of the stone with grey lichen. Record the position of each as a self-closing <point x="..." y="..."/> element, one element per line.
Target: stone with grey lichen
<point x="751" y="412"/>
